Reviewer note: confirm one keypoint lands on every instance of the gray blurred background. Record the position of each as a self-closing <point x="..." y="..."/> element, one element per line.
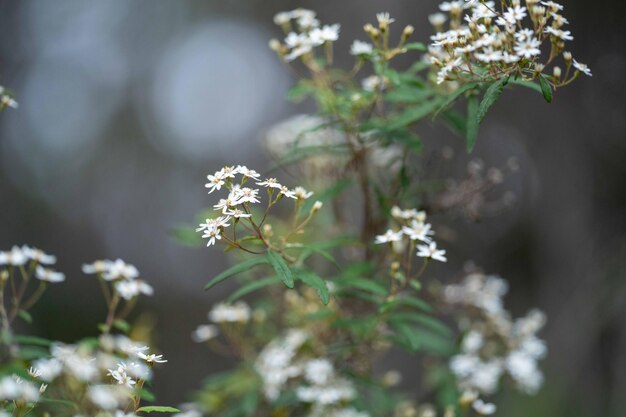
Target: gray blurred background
<point x="126" y="106"/>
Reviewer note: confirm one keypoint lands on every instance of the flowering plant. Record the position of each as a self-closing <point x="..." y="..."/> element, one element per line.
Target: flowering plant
<point x="334" y="277"/>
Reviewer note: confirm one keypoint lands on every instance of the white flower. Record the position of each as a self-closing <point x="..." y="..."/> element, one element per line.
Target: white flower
<point x="246" y="172"/>
<point x="204" y="333"/>
<point x="565" y="35"/>
<point x="524" y="370"/>
<point x="431" y="252"/>
<point x="34" y="372"/>
<point x="418" y="231"/>
<point x="14" y="257"/>
<point x="361" y="48"/>
<point x="121" y="376"/>
<point x="246" y="195"/>
<point x="237" y="214"/>
<point x="319" y="371"/>
<point x="371" y="83"/>
<point x="237" y="312"/>
<point x="130" y="289"/>
<point x="282" y="18"/>
<point x="98" y="267"/>
<point x="119" y="269"/>
<point x="288" y="193"/>
<point x="389" y="236"/>
<point x="270" y="183"/>
<point x="328" y="33"/>
<point x="38" y="255"/>
<point x="301" y="193"/>
<point x="8" y="101"/>
<point x="45" y="274"/>
<point x="582" y="68"/>
<point x="152" y="358"/>
<point x="106" y="397"/>
<point x="384" y="19"/>
<point x="527" y="48"/>
<point x="48" y="369"/>
<point x="552" y="5"/>
<point x="515" y="13"/>
<point x="483" y="408"/>
<point x="215" y="181"/>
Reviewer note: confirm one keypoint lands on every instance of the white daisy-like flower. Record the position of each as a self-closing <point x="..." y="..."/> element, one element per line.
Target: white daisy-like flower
<point x="38" y="255"/>
<point x="565" y="35"/>
<point x="431" y="252"/>
<point x="246" y="195"/>
<point x="120" y="269"/>
<point x="151" y="358"/>
<point x="388" y="237"/>
<point x="527" y="48"/>
<point x="246" y="172"/>
<point x="582" y="68"/>
<point x="215" y="182"/>
<point x="327" y="33"/>
<point x="301" y="193"/>
<point x="288" y="193"/>
<point x="237" y="312"/>
<point x="515" y="13"/>
<point x="14" y="257"/>
<point x="437" y="19"/>
<point x="237" y="214"/>
<point x="49" y="275"/>
<point x="418" y="231"/>
<point x="552" y="5"/>
<point x="384" y="19"/>
<point x="361" y="48"/>
<point x="270" y="183"/>
<point x="130" y="289"/>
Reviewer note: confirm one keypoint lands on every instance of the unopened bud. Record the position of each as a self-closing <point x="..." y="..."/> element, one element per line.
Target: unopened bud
<point x="408" y="31"/>
<point x="318" y="205"/>
<point x="276" y="46"/>
<point x="567" y="56"/>
<point x="556" y="71"/>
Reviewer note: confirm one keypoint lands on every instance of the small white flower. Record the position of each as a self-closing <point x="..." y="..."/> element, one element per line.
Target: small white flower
<point x="119" y="269"/>
<point x="38" y="255"/>
<point x="437" y="19"/>
<point x="237" y="312"/>
<point x="319" y="371"/>
<point x="527" y="48"/>
<point x="215" y="182"/>
<point x="288" y="193"/>
<point x="246" y="172"/>
<point x="301" y="193"/>
<point x="49" y="275"/>
<point x="515" y="13"/>
<point x="246" y="195"/>
<point x="151" y="358"/>
<point x="14" y="257"/>
<point x="565" y="35"/>
<point x="361" y="48"/>
<point x="389" y="236"/>
<point x="384" y="19"/>
<point x="270" y="183"/>
<point x="582" y="68"/>
<point x="130" y="289"/>
<point x="328" y="33"/>
<point x="431" y="252"/>
<point x="418" y="231"/>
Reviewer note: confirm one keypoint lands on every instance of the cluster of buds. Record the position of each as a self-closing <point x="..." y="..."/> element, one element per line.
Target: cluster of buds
<point x="483" y="42"/>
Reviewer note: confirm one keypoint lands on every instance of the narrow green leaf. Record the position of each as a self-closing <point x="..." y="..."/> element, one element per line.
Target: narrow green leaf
<point x="452" y="98"/>
<point x="32" y="340"/>
<point x="364" y="284"/>
<point x="413" y="114"/>
<point x="146" y="395"/>
<point x="472" y="123"/>
<point x="546" y="89"/>
<point x="157" y="409"/>
<point x="251" y="287"/>
<point x="121" y="325"/>
<point x="25" y="315"/>
<point x="528" y="84"/>
<point x="313" y="280"/>
<point x="236" y="269"/>
<point x="281" y="268"/>
<point x="492" y="95"/>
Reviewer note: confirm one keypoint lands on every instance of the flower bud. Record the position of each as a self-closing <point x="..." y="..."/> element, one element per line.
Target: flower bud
<point x="556" y="71"/>
<point x="318" y="205"/>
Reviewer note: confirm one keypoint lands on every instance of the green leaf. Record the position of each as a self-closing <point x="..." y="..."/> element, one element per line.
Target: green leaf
<point x="413" y="114"/>
<point x="251" y="287"/>
<point x="121" y="325"/>
<point x="281" y="268"/>
<point x="415" y="46"/>
<point x="452" y="98"/>
<point x="146" y="395"/>
<point x="528" y="84"/>
<point x="25" y="315"/>
<point x="364" y="284"/>
<point x="32" y="340"/>
<point x="472" y="123"/>
<point x="492" y="95"/>
<point x="309" y="250"/>
<point x="157" y="409"/>
<point x="236" y="269"/>
<point x="546" y="89"/>
<point x="313" y="280"/>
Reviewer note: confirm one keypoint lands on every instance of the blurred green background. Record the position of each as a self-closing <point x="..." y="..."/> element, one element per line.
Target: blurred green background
<point x="125" y="106"/>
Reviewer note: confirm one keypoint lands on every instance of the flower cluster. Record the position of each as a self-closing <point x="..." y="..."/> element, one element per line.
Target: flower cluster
<point x="304" y="33"/>
<point x="6" y="99"/>
<point x="237" y="205"/>
<point x="21" y="256"/>
<point x="106" y="375"/>
<point x="412" y="227"/>
<point x="122" y="276"/>
<point x="484" y="42"/>
<point x="494" y="344"/>
<point x="315" y="379"/>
